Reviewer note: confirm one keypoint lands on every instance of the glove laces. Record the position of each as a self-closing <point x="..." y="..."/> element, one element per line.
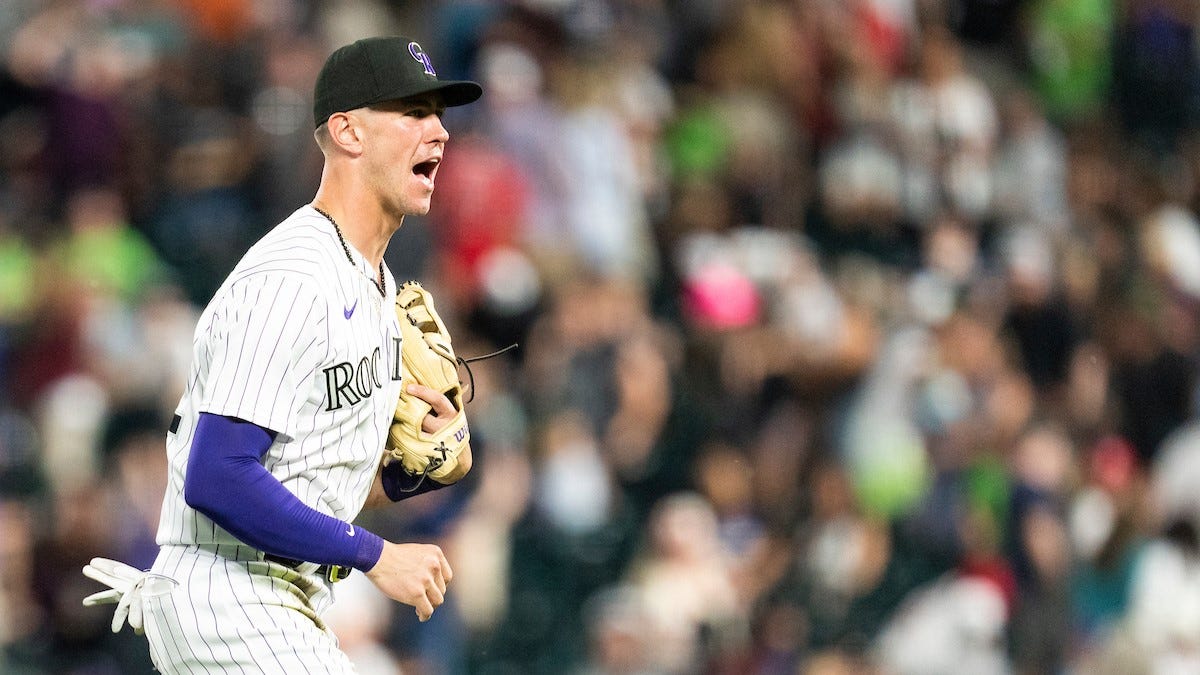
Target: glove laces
<point x="434" y="464"/>
<point x="473" y="359"/>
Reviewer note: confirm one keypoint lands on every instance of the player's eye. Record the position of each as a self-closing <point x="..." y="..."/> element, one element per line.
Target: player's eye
<point x="426" y="110"/>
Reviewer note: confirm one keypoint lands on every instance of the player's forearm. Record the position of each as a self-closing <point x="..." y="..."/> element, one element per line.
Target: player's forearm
<point x="377" y="497"/>
<point x="393" y="483"/>
<point x="226" y="482"/>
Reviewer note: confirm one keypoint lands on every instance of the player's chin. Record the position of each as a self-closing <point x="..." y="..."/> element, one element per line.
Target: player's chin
<point x="419" y="204"/>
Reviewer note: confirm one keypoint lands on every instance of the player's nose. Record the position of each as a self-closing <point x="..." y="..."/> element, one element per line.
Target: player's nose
<point x="438" y="130"/>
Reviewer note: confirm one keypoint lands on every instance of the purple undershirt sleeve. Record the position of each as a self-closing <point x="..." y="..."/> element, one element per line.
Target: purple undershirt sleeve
<point x="227" y="482"/>
<point x="398" y="484"/>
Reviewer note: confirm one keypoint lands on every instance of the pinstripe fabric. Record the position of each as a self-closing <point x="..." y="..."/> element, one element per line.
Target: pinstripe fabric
<point x="300" y="342"/>
<point x="234" y="613"/>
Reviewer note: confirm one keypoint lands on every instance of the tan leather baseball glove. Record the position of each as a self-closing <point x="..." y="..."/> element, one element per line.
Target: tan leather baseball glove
<point x="428" y="359"/>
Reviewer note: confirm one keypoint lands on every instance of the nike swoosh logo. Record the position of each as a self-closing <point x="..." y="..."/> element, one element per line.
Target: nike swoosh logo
<point x="349" y="313"/>
<point x="350" y="531"/>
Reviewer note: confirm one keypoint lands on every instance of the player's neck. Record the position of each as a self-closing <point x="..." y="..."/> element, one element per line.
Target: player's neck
<point x="368" y="230"/>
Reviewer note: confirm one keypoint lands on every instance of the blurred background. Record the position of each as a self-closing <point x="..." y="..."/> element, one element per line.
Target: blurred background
<point x="856" y="336"/>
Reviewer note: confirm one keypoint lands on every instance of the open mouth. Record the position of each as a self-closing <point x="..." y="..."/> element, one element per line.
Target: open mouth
<point x="427" y="168"/>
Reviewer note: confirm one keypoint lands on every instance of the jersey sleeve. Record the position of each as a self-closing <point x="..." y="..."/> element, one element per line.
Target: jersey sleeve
<point x="268" y="335"/>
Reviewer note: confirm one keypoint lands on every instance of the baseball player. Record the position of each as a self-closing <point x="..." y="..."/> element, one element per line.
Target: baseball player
<point x="296" y="369"/>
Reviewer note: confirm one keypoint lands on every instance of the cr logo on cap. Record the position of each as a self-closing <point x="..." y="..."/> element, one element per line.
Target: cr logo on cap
<point x="420" y="55"/>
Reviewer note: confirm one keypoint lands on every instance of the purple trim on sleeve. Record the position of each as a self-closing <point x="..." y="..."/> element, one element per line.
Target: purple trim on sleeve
<point x="227" y="482"/>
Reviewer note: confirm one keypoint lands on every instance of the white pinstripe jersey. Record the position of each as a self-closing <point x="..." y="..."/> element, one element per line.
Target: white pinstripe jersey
<point x="300" y="342"/>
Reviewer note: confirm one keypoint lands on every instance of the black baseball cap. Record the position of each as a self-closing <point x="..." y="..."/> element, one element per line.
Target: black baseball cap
<point x="377" y="69"/>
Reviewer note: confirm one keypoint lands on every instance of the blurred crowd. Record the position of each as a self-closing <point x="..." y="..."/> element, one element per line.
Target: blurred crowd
<point x="857" y="337"/>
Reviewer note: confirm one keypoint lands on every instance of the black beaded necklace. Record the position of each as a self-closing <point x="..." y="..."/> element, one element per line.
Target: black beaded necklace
<point x="378" y="284"/>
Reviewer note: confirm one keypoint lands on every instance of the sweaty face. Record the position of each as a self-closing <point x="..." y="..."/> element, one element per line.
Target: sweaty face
<point x="405" y="141"/>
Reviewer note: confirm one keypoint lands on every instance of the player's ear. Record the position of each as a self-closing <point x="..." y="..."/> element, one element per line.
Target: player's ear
<point x="345" y="132"/>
